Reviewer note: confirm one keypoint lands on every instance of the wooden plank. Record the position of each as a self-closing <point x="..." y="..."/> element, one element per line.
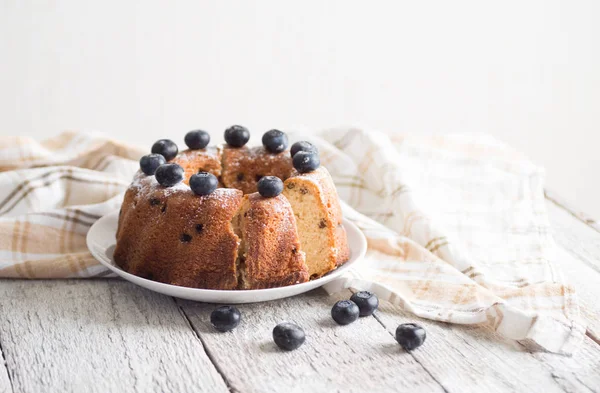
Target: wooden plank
<point x="579" y="215"/>
<point x="579" y="260"/>
<point x="99" y="336"/>
<point x="472" y="358"/>
<point x="575" y="236"/>
<point x="360" y="357"/>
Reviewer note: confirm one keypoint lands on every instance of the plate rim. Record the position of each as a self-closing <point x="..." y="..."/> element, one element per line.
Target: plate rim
<point x="361" y="248"/>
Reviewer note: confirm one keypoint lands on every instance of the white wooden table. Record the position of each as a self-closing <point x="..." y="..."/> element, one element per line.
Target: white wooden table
<point x="108" y="335"/>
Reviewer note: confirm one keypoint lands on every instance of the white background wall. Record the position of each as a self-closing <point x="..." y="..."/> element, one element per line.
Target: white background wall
<point x="527" y="72"/>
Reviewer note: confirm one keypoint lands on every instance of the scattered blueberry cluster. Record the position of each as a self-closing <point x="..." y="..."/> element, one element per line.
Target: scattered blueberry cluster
<point x="305" y="158"/>
<point x="289" y="336"/>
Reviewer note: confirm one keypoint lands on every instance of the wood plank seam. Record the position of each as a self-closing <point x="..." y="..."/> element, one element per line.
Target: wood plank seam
<point x="5" y="364"/>
<point x="584" y="218"/>
<point x="206" y="349"/>
<point x="410" y="353"/>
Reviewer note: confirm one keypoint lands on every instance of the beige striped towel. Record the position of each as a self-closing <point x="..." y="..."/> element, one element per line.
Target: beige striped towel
<point x="456" y="225"/>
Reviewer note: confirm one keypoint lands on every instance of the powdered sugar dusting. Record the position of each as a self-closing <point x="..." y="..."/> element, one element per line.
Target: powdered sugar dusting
<point x="315" y="175"/>
<point x="211" y="151"/>
<point x="148" y="184"/>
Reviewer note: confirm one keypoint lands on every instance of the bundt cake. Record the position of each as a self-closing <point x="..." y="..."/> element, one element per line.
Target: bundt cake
<point x="231" y="217"/>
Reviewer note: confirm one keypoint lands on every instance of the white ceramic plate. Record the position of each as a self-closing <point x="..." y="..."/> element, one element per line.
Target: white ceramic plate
<point x="101" y="242"/>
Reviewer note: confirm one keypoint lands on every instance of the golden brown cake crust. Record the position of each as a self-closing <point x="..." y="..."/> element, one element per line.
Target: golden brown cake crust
<point x="244" y="166"/>
<point x="174" y="236"/>
<point x="270" y="247"/>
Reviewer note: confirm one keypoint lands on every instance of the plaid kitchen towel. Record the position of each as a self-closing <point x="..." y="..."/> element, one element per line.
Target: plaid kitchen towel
<point x="456" y="225"/>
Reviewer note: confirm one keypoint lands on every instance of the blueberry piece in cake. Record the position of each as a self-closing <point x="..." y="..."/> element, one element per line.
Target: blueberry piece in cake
<point x="168" y="175"/>
<point x="150" y="162"/>
<point x="288" y="336"/>
<point x="237" y="136"/>
<point x="305" y="161"/>
<point x="203" y="183"/>
<point x="165" y="147"/>
<point x="270" y="186"/>
<point x="197" y="139"/>
<point x="303" y="146"/>
<point x="366" y="301"/>
<point x="225" y="318"/>
<point x="345" y="312"/>
<point x="410" y="336"/>
<point x="275" y="141"/>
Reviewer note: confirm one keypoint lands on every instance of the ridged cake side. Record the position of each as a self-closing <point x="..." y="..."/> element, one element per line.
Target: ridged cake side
<point x="173" y="236"/>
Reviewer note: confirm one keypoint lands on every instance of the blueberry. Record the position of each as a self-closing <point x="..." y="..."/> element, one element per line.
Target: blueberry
<point x="345" y="312"/>
<point x="168" y="175"/>
<point x="203" y="183"/>
<point x="366" y="301"/>
<point x="225" y="318"/>
<point x="410" y="336"/>
<point x="197" y="139"/>
<point x="237" y="136"/>
<point x="303" y="146"/>
<point x="270" y="186"/>
<point x="275" y="141"/>
<point x="288" y="336"/>
<point x="165" y="147"/>
<point x="149" y="163"/>
<point x="306" y="161"/>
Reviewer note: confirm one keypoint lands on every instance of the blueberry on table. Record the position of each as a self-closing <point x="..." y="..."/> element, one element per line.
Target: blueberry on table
<point x="168" y="175"/>
<point x="288" y="336"/>
<point x="165" y="147"/>
<point x="345" y="312"/>
<point x="150" y="162"/>
<point x="306" y="161"/>
<point x="197" y="139"/>
<point x="225" y="318"/>
<point x="303" y="146"/>
<point x="270" y="186"/>
<point x="366" y="301"/>
<point x="275" y="141"/>
<point x="203" y="183"/>
<point x="237" y="136"/>
<point x="410" y="336"/>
